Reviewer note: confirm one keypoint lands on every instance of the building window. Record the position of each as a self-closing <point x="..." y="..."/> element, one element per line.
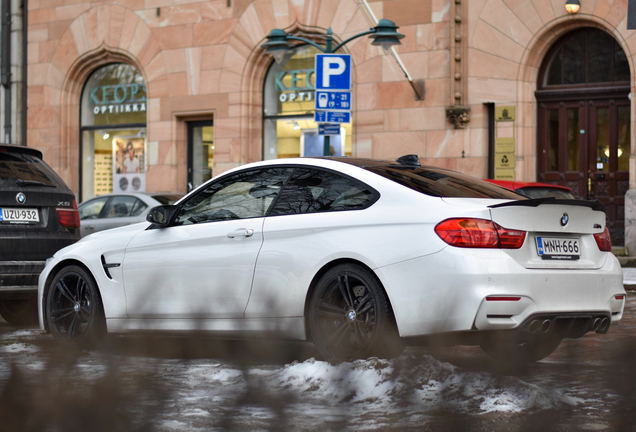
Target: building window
<point x="588" y="56"/>
<point x="200" y="153"/>
<point x="113" y="131"/>
<point x="289" y="129"/>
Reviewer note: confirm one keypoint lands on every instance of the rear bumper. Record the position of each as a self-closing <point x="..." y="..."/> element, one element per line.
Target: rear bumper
<point x="19" y="278"/>
<point x="448" y="291"/>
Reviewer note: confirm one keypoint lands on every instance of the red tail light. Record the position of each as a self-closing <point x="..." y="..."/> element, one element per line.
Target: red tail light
<point x="500" y="298"/>
<point x="69" y="218"/>
<point x="604" y="241"/>
<point x="479" y="233"/>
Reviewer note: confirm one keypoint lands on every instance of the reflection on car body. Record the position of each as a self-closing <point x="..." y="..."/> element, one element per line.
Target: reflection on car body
<point x="536" y="190"/>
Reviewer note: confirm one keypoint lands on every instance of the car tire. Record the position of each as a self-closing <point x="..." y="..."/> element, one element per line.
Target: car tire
<point x="74" y="310"/>
<point x="506" y="351"/>
<point x="22" y="312"/>
<point x="350" y="316"/>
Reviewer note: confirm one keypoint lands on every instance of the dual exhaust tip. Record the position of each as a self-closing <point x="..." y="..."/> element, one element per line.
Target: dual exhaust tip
<point x="540" y="326"/>
<point x="599" y="325"/>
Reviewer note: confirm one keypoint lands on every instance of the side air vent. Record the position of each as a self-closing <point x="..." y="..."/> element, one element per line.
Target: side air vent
<point x="107" y="266"/>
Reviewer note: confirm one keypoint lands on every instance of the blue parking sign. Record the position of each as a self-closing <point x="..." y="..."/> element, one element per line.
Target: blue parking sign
<point x="333" y="72"/>
<point x="332" y="116"/>
<point x="330" y="100"/>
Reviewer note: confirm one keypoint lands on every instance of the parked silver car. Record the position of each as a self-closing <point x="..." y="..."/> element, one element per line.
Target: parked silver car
<point x="114" y="210"/>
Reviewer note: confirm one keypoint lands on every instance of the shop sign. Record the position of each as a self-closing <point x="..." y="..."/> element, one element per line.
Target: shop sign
<point x="504" y="160"/>
<point x="300" y="90"/>
<point x="505" y="174"/>
<point x="117" y="99"/>
<point x="505" y="113"/>
<point x="505" y="145"/>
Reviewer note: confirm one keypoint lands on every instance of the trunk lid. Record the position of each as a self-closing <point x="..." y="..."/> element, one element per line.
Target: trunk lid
<point x="541" y="218"/>
<point x="560" y="233"/>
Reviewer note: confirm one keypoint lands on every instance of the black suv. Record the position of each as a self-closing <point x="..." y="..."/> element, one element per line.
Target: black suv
<point x="38" y="216"/>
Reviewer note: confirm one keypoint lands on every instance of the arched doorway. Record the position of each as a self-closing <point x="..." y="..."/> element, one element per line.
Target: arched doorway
<point x="584" y="121"/>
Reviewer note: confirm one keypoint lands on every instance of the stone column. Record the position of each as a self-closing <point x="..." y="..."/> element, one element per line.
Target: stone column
<point x="630" y="221"/>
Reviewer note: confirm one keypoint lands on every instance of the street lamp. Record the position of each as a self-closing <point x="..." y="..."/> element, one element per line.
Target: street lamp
<point x="572" y="6"/>
<point x="279" y="43"/>
<point x="384" y="34"/>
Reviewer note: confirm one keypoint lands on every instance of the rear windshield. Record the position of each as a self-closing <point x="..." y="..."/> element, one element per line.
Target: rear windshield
<point x="19" y="167"/>
<point x="443" y="183"/>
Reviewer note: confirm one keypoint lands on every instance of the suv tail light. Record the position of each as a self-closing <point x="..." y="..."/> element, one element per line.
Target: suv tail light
<point x="69" y="218"/>
<point x="604" y="241"/>
<point x="479" y="233"/>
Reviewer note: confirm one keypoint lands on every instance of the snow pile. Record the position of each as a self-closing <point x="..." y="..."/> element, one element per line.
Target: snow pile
<point x="421" y="383"/>
<point x="18" y="348"/>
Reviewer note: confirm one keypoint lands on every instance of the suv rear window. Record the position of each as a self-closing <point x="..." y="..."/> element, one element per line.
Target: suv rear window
<point x="20" y="167"/>
<point x="442" y="183"/>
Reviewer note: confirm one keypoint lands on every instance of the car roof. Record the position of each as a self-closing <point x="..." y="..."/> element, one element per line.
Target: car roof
<point x="20" y="149"/>
<point x="514" y="185"/>
<point x="144" y="196"/>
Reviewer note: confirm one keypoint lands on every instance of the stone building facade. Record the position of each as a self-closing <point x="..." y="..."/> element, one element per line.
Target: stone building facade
<point x="202" y="77"/>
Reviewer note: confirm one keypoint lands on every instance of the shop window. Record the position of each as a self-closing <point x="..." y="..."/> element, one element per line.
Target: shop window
<point x="113" y="131"/>
<point x="289" y="129"/>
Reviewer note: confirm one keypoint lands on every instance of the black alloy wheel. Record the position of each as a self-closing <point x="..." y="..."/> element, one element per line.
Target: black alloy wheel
<point x="74" y="311"/>
<point x="350" y="317"/>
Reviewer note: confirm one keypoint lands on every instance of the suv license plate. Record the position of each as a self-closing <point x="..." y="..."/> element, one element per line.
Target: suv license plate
<point x="551" y="248"/>
<point x="21" y="216"/>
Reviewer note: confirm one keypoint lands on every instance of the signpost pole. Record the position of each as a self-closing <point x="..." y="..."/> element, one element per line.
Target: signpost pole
<point x="327" y="150"/>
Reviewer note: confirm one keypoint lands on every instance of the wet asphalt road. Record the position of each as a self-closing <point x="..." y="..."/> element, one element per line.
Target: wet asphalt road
<point x="158" y="383"/>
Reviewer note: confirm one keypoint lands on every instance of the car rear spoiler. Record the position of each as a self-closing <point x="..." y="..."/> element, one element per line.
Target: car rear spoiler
<point x="594" y="205"/>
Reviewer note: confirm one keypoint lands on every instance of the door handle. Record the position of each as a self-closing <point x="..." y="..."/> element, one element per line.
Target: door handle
<point x="242" y="232"/>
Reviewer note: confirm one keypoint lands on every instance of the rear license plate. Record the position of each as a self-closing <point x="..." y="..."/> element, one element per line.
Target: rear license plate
<point x="21" y="216"/>
<point x="551" y="248"/>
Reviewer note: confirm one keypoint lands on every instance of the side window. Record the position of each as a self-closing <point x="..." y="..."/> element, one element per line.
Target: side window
<point x="312" y="191"/>
<point x="138" y="208"/>
<point x="120" y="206"/>
<point x="91" y="209"/>
<point x="244" y="195"/>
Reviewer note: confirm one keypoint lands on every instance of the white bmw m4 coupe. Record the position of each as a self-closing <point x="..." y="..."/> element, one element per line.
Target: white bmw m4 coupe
<point x="361" y="257"/>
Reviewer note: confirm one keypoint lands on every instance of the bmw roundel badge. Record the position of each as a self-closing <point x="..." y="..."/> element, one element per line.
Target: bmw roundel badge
<point x="20" y="198"/>
<point x="565" y="219"/>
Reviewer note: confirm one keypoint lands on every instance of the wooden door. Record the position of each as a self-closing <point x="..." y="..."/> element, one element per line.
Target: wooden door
<point x="584" y="144"/>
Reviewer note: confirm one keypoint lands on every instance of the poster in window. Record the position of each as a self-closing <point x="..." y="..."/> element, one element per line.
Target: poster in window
<point x="129" y="164"/>
<point x="103" y="173"/>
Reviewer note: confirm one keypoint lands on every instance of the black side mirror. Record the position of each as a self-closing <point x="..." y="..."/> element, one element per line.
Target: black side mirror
<point x="161" y="215"/>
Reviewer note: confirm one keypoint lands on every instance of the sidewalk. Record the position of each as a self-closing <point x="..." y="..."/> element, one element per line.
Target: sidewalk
<point x="629" y="278"/>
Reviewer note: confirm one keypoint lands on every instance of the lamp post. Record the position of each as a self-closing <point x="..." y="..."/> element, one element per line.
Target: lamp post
<point x="279" y="43"/>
